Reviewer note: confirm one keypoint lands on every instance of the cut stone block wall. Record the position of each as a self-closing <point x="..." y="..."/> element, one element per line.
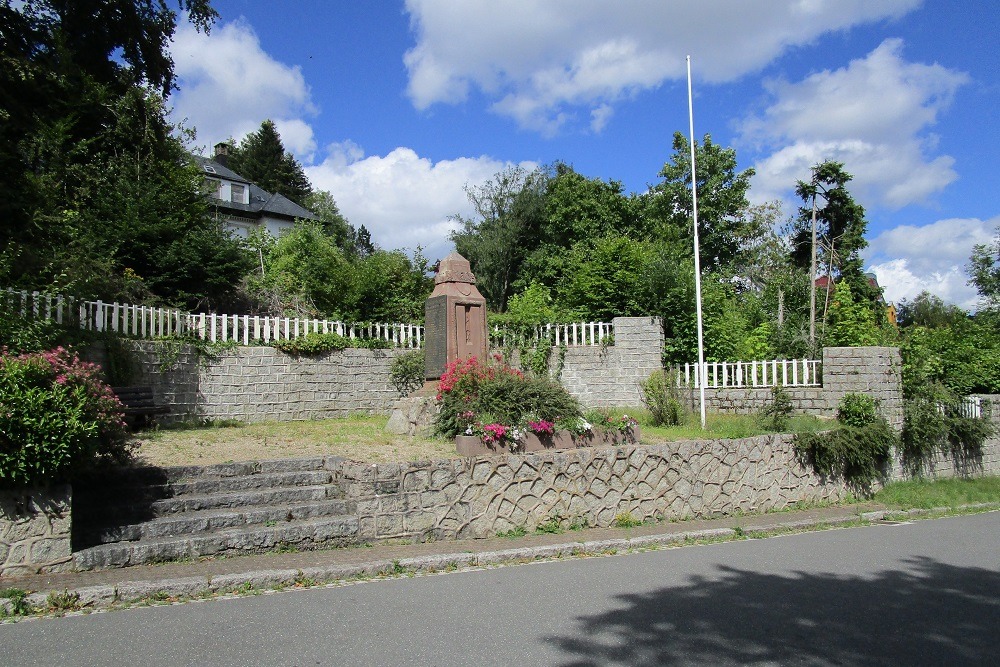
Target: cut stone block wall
<point x="481" y="496"/>
<point x="253" y="384"/>
<point x="610" y="376"/>
<point x="35" y="528"/>
<point x="876" y="371"/>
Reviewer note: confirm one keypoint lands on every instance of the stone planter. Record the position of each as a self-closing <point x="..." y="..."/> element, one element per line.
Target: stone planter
<point x="470" y="445"/>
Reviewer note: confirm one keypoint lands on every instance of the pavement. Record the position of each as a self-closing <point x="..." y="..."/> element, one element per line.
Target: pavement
<point x="220" y="575"/>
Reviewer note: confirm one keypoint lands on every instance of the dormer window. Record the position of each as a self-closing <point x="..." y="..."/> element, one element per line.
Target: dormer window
<point x="237" y="193"/>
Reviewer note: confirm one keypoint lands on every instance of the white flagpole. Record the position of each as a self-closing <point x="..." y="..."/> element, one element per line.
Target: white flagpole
<point x="697" y="255"/>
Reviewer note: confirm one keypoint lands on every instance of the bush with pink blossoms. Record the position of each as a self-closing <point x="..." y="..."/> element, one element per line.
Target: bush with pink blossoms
<point x="56" y="417"/>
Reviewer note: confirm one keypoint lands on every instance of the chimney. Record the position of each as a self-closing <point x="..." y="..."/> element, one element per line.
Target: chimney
<point x="221" y="153"/>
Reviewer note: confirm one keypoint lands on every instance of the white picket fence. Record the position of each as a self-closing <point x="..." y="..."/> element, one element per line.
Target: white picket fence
<point x="752" y="374"/>
<point x="573" y="334"/>
<point x="149" y="322"/>
<point x="971" y="406"/>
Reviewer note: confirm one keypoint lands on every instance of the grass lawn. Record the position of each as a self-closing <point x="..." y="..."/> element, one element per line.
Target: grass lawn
<point x="363" y="438"/>
<point x="928" y="494"/>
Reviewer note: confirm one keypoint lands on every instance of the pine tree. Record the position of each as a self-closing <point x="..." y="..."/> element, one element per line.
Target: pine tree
<point x="262" y="159"/>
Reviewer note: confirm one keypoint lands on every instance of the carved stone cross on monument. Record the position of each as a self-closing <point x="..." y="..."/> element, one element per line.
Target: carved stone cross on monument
<point x="454" y="317"/>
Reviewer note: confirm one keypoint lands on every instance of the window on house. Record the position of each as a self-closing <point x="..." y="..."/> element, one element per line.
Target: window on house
<point x="237" y="193"/>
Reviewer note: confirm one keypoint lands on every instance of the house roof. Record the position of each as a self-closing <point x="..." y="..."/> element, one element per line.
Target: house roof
<point x="261" y="201"/>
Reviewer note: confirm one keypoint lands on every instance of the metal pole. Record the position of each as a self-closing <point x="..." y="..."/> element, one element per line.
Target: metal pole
<point x="812" y="279"/>
<point x="697" y="254"/>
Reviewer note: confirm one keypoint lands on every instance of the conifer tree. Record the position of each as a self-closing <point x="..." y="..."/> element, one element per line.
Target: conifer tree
<point x="262" y="159"/>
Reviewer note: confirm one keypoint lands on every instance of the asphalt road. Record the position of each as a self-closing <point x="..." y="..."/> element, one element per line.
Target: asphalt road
<point x="921" y="593"/>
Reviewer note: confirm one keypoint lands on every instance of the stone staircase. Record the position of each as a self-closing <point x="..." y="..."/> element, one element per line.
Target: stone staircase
<point x="137" y="516"/>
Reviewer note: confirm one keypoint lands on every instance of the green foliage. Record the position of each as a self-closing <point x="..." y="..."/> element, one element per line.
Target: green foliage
<point x="18" y="601"/>
<point x="984" y="267"/>
<point x="856" y="454"/>
<point x="775" y="415"/>
<point x="626" y="520"/>
<point x="964" y="357"/>
<point x="934" y="422"/>
<point x="857" y="410"/>
<point x="407" y="371"/>
<point x="927" y="310"/>
<point x="603" y="279"/>
<point x="722" y="200"/>
<point x="662" y="398"/>
<point x="262" y="159"/>
<point x="851" y="324"/>
<point x="56" y="417"/>
<point x="27" y="334"/>
<point x="315" y="344"/>
<point x="471" y="391"/>
<point x="531" y="306"/>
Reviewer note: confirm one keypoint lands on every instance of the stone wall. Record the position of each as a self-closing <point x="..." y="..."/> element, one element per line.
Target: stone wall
<point x="253" y="384"/>
<point x="610" y="376"/>
<point x="35" y="531"/>
<point x="876" y="371"/>
<point x="480" y="496"/>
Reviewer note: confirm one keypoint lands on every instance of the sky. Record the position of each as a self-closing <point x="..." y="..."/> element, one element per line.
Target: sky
<point x="396" y="107"/>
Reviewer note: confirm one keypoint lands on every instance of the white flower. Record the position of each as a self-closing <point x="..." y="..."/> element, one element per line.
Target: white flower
<point x="468" y="431"/>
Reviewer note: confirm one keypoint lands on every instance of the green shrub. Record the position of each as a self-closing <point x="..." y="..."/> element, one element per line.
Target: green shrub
<point x="775" y="415"/>
<point x="25" y="334"/>
<point x="858" y="454"/>
<point x="493" y="393"/>
<point x="314" y="344"/>
<point x="662" y="398"/>
<point x="857" y="410"/>
<point x="407" y="371"/>
<point x="933" y="421"/>
<point x="56" y="416"/>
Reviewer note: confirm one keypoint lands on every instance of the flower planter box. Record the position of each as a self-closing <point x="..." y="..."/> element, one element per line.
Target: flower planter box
<point x="470" y="445"/>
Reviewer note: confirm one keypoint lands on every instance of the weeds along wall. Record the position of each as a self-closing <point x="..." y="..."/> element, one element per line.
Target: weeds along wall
<point x="876" y="371"/>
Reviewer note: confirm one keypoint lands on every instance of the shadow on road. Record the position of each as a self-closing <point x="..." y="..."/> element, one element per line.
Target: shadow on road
<point x="931" y="613"/>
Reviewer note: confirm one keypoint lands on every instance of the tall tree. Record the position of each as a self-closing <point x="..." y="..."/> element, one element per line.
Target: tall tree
<point x="984" y="267"/>
<point x="508" y="208"/>
<point x="841" y="228"/>
<point x="261" y="158"/>
<point x="724" y="225"/>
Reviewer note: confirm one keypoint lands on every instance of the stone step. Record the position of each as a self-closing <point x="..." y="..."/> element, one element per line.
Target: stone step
<point x="146" y="475"/>
<point x="204" y="485"/>
<point x="275" y="496"/>
<point x="193" y="523"/>
<point x="301" y="534"/>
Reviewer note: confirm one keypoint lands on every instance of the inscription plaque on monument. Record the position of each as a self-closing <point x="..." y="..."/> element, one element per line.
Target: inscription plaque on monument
<point x="435" y="336"/>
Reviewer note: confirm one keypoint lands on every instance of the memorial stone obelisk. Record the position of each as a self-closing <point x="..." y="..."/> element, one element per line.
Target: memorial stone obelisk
<point x="454" y="329"/>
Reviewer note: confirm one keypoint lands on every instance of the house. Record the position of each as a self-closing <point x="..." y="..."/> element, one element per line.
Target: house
<point x="824" y="283"/>
<point x="241" y="205"/>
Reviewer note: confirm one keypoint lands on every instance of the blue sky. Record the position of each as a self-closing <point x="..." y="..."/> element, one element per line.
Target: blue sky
<point x="395" y="106"/>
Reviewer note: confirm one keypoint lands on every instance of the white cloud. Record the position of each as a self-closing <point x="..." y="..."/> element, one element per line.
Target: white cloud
<point x="910" y="259"/>
<point x="229" y="85"/>
<point x="403" y="199"/>
<point x="872" y="115"/>
<point x="540" y="60"/>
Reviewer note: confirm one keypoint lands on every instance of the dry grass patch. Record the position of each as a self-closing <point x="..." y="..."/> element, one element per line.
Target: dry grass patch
<point x="359" y="437"/>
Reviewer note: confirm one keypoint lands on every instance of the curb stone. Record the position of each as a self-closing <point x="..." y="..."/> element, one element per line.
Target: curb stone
<point x="131" y="592"/>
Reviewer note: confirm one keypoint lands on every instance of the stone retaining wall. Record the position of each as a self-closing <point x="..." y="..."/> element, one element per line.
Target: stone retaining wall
<point x="35" y="531"/>
<point x="481" y="496"/>
<point x="253" y="384"/>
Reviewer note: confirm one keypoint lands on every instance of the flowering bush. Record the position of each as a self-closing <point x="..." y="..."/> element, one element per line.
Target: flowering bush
<point x="498" y="403"/>
<point x="604" y="419"/>
<point x="56" y="416"/>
